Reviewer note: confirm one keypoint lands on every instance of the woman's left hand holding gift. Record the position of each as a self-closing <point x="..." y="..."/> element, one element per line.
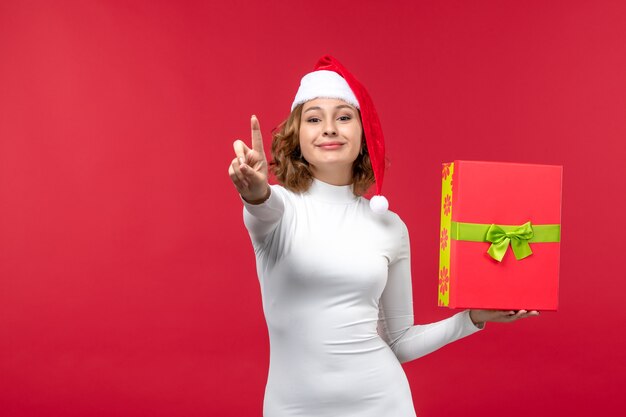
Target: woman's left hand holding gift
<point x="479" y="317"/>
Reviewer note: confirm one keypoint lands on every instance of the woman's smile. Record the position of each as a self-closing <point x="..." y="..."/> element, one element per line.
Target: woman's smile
<point x="330" y="145"/>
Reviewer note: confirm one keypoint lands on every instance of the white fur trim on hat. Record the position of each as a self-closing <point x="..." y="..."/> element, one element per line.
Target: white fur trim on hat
<point x="326" y="84"/>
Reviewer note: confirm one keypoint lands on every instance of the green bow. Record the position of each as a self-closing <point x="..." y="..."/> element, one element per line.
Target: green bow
<point x="518" y="238"/>
<point x="501" y="236"/>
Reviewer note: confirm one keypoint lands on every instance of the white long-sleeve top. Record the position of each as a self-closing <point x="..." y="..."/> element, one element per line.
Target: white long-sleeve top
<point x="335" y="283"/>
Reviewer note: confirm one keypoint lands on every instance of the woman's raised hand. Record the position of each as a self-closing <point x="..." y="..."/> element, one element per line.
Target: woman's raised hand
<point x="248" y="171"/>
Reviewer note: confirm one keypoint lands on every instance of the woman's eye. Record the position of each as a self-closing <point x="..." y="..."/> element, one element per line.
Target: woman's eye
<point x="313" y="120"/>
<point x="344" y="118"/>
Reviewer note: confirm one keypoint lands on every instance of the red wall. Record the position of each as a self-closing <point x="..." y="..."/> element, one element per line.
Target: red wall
<point x="127" y="280"/>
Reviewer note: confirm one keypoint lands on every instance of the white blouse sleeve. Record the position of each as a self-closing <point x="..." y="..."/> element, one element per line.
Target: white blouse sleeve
<point x="262" y="219"/>
<point x="395" y="317"/>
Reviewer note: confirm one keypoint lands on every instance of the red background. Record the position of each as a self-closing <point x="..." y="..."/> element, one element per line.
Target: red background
<point x="127" y="280"/>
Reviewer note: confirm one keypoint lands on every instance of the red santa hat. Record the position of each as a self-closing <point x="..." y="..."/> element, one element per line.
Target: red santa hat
<point x="330" y="79"/>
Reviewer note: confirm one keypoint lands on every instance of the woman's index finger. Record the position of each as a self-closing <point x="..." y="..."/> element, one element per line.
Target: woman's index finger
<point x="257" y="140"/>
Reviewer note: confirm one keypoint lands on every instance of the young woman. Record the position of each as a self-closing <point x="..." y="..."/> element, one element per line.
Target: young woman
<point x="335" y="273"/>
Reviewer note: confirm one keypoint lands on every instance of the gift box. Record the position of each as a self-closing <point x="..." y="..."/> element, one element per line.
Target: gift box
<point x="500" y="236"/>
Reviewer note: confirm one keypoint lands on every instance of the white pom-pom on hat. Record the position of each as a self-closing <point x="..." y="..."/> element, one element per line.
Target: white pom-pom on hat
<point x="321" y="84"/>
<point x="379" y="204"/>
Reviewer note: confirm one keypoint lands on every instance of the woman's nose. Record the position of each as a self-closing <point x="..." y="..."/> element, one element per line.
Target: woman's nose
<point x="329" y="129"/>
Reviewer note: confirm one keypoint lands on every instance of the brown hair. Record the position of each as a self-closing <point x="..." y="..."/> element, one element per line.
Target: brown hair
<point x="293" y="171"/>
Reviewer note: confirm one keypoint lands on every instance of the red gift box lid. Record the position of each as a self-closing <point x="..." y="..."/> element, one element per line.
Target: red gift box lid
<point x="506" y="193"/>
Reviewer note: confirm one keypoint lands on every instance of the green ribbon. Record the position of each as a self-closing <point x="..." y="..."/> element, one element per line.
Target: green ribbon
<point x="501" y="236"/>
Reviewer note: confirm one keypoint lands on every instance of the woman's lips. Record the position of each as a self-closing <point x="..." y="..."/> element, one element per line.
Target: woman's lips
<point x="330" y="146"/>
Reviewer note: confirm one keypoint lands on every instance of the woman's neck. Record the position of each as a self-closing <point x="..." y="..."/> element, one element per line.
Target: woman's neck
<point x="334" y="176"/>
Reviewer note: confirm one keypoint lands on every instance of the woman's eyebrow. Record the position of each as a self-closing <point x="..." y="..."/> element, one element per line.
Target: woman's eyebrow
<point x="341" y="106"/>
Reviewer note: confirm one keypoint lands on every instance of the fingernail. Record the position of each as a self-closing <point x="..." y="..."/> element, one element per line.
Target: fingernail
<point x="253" y="115"/>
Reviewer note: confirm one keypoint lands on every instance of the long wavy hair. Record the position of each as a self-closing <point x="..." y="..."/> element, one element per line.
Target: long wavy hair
<point x="294" y="173"/>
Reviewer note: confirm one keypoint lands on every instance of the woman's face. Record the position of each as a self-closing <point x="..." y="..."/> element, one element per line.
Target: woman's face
<point x="330" y="134"/>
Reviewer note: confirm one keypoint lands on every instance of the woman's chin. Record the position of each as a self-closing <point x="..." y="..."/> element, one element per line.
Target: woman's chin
<point x="329" y="164"/>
